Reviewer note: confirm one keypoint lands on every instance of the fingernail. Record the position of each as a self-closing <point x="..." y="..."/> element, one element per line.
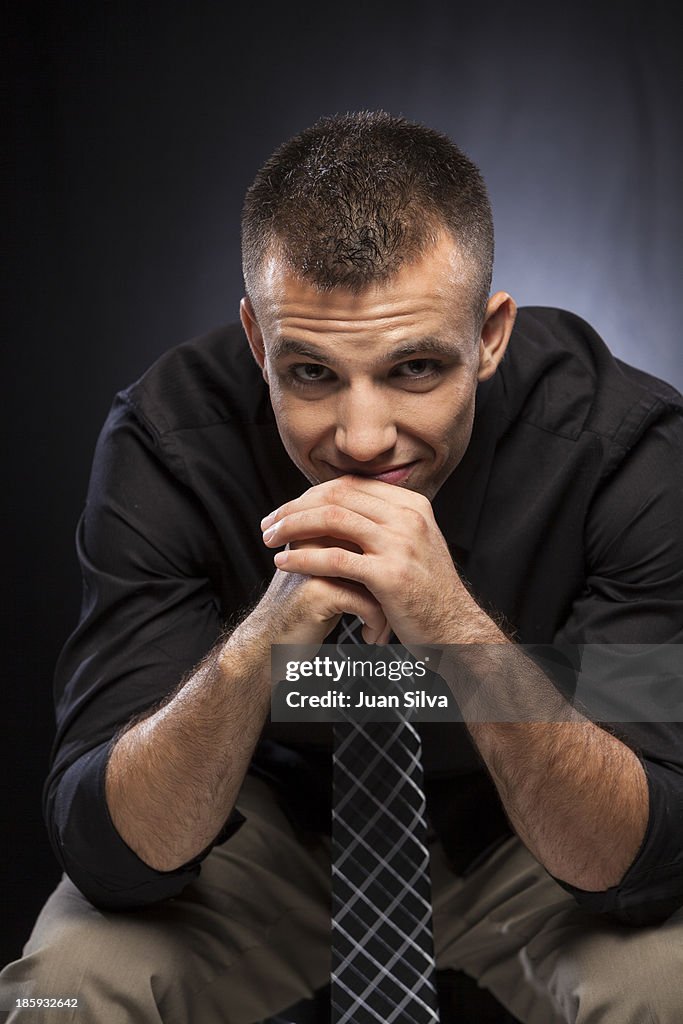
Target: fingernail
<point x="267" y="520"/>
<point x="269" y="532"/>
<point x="281" y="557"/>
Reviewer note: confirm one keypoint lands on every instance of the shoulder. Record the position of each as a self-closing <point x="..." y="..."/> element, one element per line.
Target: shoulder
<point x="560" y="376"/>
<point x="204" y="382"/>
<point x="198" y="402"/>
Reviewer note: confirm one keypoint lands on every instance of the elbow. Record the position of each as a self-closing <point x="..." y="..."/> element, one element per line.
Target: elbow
<point x="89" y="848"/>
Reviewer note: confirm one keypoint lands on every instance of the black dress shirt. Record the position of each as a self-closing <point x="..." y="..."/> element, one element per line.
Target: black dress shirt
<point x="564" y="516"/>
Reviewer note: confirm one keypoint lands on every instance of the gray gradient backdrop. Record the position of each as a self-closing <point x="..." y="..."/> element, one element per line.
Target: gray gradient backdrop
<point x="136" y="129"/>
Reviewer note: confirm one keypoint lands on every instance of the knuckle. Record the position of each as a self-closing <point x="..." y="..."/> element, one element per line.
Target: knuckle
<point x="338" y="559"/>
<point x="314" y="586"/>
<point x="336" y="515"/>
<point x="318" y="598"/>
<point x="316" y="590"/>
<point x="329" y="489"/>
<point x="418" y="521"/>
<point x="336" y="492"/>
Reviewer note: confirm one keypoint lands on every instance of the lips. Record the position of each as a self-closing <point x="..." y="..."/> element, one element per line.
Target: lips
<point x="389" y="474"/>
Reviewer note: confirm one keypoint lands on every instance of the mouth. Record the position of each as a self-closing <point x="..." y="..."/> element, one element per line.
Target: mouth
<point x="389" y="474"/>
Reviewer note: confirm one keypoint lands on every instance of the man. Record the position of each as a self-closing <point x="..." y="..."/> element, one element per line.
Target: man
<point x="418" y="459"/>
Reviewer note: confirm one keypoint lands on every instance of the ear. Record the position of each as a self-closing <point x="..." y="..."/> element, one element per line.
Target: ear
<point x="499" y="320"/>
<point x="254" y="335"/>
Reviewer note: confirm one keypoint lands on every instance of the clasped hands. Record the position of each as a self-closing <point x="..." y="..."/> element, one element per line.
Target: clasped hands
<point x="376" y="551"/>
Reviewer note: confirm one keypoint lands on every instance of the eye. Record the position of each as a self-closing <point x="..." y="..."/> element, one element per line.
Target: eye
<point x="309" y="373"/>
<point x="417" y="369"/>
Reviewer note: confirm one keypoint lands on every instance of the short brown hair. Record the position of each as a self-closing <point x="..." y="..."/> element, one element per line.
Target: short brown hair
<point x="350" y="200"/>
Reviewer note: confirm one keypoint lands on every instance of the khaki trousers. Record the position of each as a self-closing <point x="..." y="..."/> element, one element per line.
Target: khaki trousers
<point x="252" y="936"/>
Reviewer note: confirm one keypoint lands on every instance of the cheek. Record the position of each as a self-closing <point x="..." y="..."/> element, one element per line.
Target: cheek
<point x="449" y="433"/>
<point x="299" y="427"/>
<point x="453" y="417"/>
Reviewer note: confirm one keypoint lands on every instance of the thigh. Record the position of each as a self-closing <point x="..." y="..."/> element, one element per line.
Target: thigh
<point x="515" y="930"/>
<point x="249" y="937"/>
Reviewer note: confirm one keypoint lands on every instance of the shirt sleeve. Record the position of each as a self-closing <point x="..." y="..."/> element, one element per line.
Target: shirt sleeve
<point x="634" y="596"/>
<point x="149" y="614"/>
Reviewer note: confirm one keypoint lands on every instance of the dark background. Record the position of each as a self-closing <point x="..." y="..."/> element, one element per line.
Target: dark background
<point x="135" y="129"/>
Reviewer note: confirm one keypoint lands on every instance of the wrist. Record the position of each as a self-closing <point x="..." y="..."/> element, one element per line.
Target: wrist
<point x="246" y="652"/>
<point x="468" y="623"/>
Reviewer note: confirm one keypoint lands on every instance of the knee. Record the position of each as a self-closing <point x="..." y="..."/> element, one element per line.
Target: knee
<point x="95" y="958"/>
<point x="627" y="976"/>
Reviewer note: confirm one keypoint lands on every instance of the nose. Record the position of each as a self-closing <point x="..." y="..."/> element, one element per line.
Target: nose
<point x="365" y="425"/>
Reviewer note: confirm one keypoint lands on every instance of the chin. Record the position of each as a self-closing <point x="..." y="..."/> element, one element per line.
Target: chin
<point x="428" y="491"/>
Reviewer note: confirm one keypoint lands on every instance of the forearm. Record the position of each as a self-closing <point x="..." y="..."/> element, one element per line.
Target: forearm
<point x="173" y="778"/>
<point x="576" y="795"/>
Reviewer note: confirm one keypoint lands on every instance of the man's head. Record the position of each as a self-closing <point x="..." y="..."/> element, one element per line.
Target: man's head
<point x="367" y="251"/>
<point x="352" y="199"/>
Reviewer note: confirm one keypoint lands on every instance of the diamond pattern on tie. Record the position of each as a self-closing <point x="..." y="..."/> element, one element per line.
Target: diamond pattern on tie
<point x="382" y="950"/>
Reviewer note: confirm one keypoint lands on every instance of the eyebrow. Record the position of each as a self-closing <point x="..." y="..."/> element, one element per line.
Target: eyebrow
<point x="434" y="346"/>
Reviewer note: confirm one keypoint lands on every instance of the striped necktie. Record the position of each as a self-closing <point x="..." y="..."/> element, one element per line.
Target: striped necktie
<point x="382" y="950"/>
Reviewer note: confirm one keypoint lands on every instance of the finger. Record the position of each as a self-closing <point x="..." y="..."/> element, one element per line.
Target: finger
<point x="334" y="562"/>
<point x="381" y="637"/>
<point x="373" y="618"/>
<point x="331" y="521"/>
<point x="352" y="599"/>
<point x="385" y="635"/>
<point x="374" y="499"/>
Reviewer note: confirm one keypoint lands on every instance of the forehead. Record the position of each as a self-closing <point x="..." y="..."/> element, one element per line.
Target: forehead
<point x="432" y="294"/>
